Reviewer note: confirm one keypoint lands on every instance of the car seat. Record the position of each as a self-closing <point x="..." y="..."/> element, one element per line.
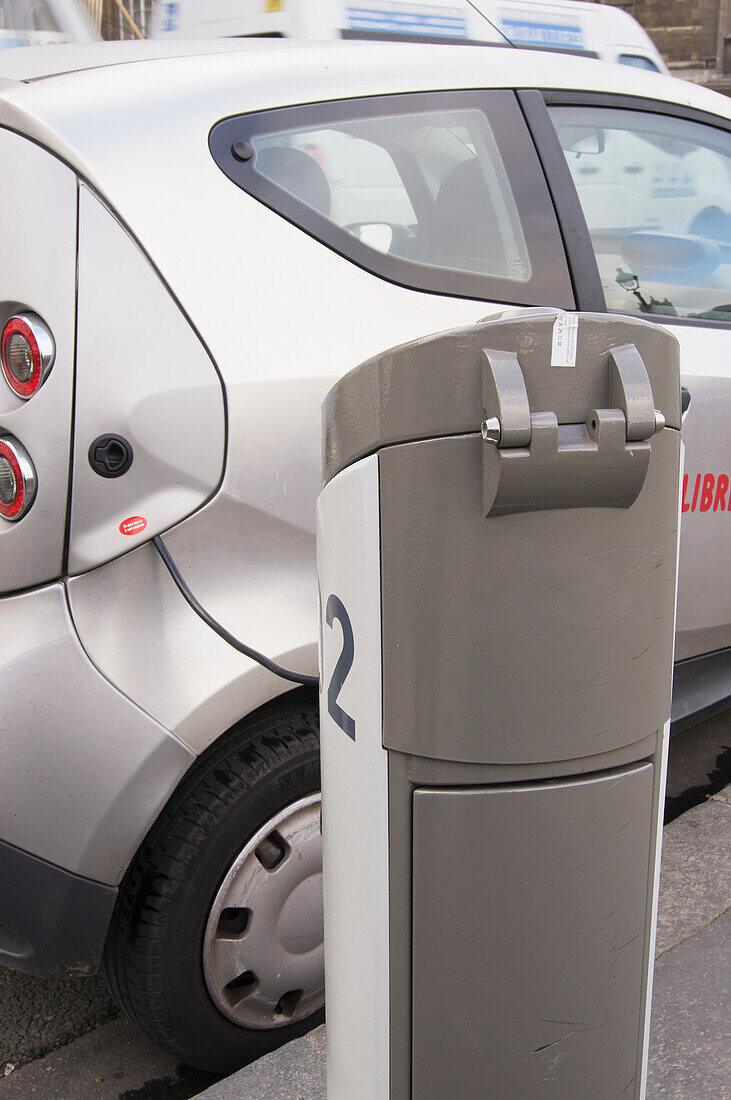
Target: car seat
<point x="297" y="173"/>
<point x="465" y="231"/>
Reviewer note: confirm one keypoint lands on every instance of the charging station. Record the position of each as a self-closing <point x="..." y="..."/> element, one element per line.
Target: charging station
<point x="497" y="560"/>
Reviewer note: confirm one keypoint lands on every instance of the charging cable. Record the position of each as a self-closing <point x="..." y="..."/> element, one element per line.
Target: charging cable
<point x="265" y="662"/>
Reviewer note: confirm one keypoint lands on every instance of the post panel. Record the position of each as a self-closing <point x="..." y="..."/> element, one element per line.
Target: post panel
<point x="497" y="559"/>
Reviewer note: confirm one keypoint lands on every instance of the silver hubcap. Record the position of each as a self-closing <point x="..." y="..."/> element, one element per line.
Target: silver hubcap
<point x="263" y="946"/>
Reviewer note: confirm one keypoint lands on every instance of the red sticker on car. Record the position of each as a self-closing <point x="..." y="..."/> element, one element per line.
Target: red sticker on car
<point x="133" y="525"/>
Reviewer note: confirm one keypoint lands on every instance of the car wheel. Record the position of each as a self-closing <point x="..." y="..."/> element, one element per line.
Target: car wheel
<point x="216" y="944"/>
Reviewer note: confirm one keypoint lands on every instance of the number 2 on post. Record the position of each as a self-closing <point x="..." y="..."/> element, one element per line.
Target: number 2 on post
<point x="336" y="610"/>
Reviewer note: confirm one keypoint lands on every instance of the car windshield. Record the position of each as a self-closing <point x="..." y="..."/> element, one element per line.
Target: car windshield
<point x="638" y="61"/>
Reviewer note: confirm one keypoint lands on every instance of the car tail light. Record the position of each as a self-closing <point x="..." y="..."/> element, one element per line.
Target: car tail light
<point x="27" y="351"/>
<point x="17" y="479"/>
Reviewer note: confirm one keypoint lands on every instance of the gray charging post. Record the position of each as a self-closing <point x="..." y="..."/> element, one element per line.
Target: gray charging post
<point x="497" y="554"/>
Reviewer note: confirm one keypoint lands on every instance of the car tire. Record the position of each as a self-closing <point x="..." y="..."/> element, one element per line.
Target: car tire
<point x="235" y="854"/>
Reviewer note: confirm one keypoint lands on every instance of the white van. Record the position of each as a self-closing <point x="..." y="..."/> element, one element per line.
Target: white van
<point x="596" y="30"/>
<point x="394" y="20"/>
<point x="567" y="26"/>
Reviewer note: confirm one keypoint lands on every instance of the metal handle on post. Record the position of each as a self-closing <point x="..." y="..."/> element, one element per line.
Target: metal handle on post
<point x="534" y="463"/>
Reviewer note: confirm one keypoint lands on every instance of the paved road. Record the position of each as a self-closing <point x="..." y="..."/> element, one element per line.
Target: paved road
<point x="38" y="1017"/>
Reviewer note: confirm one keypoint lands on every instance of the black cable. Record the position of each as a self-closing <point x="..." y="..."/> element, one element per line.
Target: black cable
<point x="265" y="662"/>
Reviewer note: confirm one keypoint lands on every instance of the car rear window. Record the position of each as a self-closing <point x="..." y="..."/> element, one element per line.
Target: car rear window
<point x="440" y="191"/>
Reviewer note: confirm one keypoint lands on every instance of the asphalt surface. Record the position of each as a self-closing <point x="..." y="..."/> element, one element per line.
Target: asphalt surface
<point x="61" y="1041"/>
<point x="111" y="1062"/>
<point x="38" y="1016"/>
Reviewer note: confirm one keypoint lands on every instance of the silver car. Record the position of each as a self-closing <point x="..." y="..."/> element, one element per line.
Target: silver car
<point x="197" y="241"/>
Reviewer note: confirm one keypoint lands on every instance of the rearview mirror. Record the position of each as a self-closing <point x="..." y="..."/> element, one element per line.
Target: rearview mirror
<point x="582" y="140"/>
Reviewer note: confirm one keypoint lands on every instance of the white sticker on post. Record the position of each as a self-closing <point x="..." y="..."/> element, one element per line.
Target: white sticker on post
<point x="565" y="335"/>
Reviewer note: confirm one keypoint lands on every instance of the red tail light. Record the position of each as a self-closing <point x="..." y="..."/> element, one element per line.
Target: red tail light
<point x="17" y="479"/>
<point x="27" y="351"/>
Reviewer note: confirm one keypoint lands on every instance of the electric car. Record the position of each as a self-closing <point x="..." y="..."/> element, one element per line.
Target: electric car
<point x="198" y="240"/>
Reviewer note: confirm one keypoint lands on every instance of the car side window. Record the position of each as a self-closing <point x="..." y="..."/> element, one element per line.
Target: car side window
<point x="429" y="191"/>
<point x="656" y="195"/>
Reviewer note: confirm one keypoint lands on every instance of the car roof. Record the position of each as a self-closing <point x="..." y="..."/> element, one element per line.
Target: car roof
<point x="385" y="66"/>
<point x="256" y="72"/>
<point x="38" y="62"/>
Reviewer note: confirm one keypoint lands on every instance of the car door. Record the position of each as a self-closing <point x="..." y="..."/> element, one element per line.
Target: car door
<point x="651" y="183"/>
